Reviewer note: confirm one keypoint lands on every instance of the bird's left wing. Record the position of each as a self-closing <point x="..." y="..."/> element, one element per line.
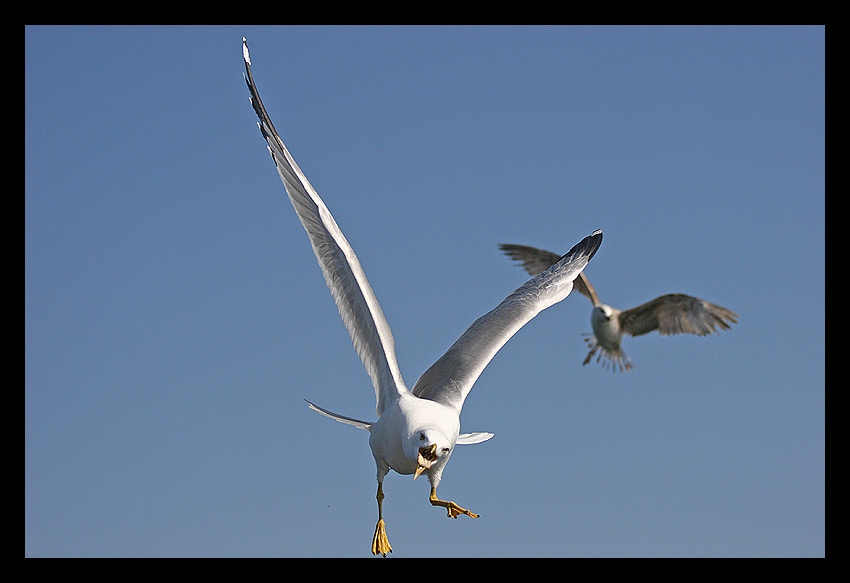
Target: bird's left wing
<point x="450" y="379"/>
<point x="352" y="293"/>
<point x="536" y="260"/>
<point x="676" y="314"/>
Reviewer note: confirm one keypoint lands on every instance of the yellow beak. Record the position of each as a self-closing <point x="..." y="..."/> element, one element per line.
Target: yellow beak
<point x="424" y="459"/>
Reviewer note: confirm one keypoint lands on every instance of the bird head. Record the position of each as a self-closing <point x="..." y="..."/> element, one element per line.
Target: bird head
<point x="432" y="447"/>
<point x="603" y="312"/>
<point x="601" y="317"/>
<point x="606" y="326"/>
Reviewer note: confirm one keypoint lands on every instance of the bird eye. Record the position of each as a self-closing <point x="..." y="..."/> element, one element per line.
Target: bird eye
<point x="445" y="450"/>
<point x="421" y="437"/>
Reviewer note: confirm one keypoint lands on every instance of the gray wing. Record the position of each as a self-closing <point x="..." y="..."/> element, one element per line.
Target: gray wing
<point x="537" y="260"/>
<point x="450" y="379"/>
<point x="352" y="293"/>
<point x="676" y="314"/>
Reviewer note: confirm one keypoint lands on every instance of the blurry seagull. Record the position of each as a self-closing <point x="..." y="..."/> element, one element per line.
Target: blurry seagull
<point x="416" y="429"/>
<point x="669" y="314"/>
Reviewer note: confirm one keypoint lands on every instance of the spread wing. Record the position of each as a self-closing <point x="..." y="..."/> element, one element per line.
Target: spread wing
<point x="450" y="379"/>
<point x="676" y="314"/>
<point x="536" y="260"/>
<point x="352" y="293"/>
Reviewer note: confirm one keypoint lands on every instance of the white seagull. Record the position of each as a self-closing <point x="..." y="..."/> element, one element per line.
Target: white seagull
<point x="416" y="429"/>
<point x="669" y="314"/>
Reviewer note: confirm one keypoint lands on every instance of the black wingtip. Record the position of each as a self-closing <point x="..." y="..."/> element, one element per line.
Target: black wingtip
<point x="249" y="80"/>
<point x="592" y="241"/>
<point x="587" y="246"/>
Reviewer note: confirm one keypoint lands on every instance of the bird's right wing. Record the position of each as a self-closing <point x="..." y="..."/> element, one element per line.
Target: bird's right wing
<point x="536" y="260"/>
<point x="450" y="379"/>
<point x="352" y="293"/>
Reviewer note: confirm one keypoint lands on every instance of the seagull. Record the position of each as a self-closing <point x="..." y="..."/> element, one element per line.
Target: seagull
<point x="669" y="314"/>
<point x="417" y="429"/>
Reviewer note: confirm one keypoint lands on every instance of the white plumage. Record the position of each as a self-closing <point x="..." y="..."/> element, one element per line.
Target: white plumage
<point x="416" y="429"/>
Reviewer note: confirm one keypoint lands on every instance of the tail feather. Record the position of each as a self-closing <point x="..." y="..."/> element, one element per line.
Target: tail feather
<point x="462" y="439"/>
<point x="341" y="418"/>
<point x="615" y="358"/>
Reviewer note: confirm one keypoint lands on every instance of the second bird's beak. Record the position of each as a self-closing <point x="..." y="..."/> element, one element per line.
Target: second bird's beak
<point x="424" y="459"/>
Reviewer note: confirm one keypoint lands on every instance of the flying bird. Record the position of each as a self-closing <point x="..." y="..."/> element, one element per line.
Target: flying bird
<point x="417" y="429"/>
<point x="669" y="314"/>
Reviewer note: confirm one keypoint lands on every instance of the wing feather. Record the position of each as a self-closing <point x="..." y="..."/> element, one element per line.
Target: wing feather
<point x="343" y="274"/>
<point x="450" y="379"/>
<point x="676" y="314"/>
<point x="538" y="260"/>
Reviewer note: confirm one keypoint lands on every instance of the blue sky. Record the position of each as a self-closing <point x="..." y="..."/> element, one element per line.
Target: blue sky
<point x="176" y="318"/>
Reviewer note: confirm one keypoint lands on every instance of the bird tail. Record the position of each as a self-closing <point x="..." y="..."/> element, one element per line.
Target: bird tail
<point x="462" y="439"/>
<point x="616" y="358"/>
<point x="472" y="438"/>
<point x="341" y="418"/>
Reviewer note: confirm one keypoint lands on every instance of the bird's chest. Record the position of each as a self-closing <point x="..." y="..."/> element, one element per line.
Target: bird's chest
<point x="387" y="447"/>
<point x="607" y="332"/>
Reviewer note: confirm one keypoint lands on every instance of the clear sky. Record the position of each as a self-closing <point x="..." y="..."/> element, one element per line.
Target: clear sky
<point x="175" y="317"/>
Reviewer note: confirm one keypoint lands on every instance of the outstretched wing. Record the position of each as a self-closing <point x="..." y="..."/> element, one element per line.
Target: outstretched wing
<point x="450" y="379"/>
<point x="534" y="260"/>
<point x="676" y="314"/>
<point x="354" y="298"/>
<point x="537" y="260"/>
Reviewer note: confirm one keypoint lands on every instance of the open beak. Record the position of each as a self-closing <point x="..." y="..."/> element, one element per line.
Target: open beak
<point x="424" y="459"/>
